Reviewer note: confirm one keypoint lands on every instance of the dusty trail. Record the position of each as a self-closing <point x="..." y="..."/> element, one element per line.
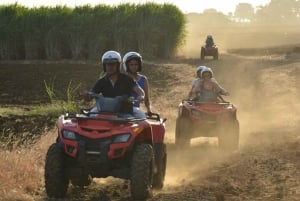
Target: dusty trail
<point x="266" y="166"/>
<point x="265" y="89"/>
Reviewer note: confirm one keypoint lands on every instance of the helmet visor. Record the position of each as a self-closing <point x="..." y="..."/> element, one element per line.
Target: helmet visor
<point x="110" y="60"/>
<point x="132" y="57"/>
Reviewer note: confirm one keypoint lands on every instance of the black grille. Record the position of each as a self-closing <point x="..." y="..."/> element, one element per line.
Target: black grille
<point x="95" y="144"/>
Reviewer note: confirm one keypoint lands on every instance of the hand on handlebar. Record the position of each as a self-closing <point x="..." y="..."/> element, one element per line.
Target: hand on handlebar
<point x="149" y="113"/>
<point x="86" y="95"/>
<point x="140" y="98"/>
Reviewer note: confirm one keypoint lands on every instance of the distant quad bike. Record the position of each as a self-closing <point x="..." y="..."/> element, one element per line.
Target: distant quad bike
<point x="209" y="51"/>
<point x="208" y="119"/>
<point x="97" y="145"/>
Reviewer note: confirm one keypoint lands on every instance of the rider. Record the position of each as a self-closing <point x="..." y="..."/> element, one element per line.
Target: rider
<point x="207" y="89"/>
<point x="199" y="78"/>
<point x="209" y="42"/>
<point x="132" y="64"/>
<point x="115" y="83"/>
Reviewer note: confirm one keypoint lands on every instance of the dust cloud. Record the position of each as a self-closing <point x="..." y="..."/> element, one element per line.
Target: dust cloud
<point x="262" y="84"/>
<point x="240" y="37"/>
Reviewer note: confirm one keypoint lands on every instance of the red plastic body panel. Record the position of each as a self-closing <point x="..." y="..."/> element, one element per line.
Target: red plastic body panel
<point x="140" y="131"/>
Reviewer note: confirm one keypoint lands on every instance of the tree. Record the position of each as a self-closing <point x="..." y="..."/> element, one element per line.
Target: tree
<point x="279" y="12"/>
<point x="244" y="12"/>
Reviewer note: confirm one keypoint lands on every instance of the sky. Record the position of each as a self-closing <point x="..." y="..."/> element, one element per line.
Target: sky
<point x="186" y="6"/>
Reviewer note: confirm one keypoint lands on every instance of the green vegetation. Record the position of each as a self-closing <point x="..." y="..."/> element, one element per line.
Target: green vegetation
<point x="50" y="90"/>
<point x="58" y="106"/>
<point x="85" y="32"/>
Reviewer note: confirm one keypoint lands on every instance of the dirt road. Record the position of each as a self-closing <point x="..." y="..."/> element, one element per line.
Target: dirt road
<point x="266" y="90"/>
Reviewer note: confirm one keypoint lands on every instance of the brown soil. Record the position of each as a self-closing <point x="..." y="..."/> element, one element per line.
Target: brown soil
<point x="263" y="86"/>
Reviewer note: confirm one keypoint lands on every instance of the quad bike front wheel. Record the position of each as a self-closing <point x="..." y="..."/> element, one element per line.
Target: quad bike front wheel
<point x="182" y="132"/>
<point x="141" y="173"/>
<point x="160" y="154"/>
<point x="56" y="180"/>
<point x="229" y="136"/>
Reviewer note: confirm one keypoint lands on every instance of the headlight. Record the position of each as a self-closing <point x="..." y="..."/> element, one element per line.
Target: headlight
<point x="69" y="122"/>
<point x="70" y="135"/>
<point x="122" y="138"/>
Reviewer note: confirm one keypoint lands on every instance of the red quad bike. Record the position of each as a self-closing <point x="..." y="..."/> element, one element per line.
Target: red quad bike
<point x="106" y="143"/>
<point x="209" y="51"/>
<point x="208" y="119"/>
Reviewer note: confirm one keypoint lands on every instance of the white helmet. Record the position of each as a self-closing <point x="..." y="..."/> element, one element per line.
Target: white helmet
<point x="111" y="57"/>
<point x="132" y="55"/>
<point x="199" y="70"/>
<point x="207" y="69"/>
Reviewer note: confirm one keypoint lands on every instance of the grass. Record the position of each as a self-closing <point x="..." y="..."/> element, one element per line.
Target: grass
<point x="54" y="108"/>
<point x="70" y="105"/>
<point x="50" y="89"/>
<point x="21" y="170"/>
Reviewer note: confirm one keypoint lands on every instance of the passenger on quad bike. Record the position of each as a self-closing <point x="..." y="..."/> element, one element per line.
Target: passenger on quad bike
<point x="199" y="79"/>
<point x="115" y="83"/>
<point x="132" y="65"/>
<point x="209" y="42"/>
<point x="207" y="89"/>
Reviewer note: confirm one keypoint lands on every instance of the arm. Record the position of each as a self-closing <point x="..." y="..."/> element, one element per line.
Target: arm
<point x="134" y="86"/>
<point x="96" y="89"/>
<point x="196" y="88"/>
<point x="139" y="91"/>
<point x="147" y="99"/>
<point x="193" y="92"/>
<point x="220" y="90"/>
<point x="194" y="84"/>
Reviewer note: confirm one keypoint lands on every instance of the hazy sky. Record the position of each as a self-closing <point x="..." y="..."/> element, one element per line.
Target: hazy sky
<point x="186" y="6"/>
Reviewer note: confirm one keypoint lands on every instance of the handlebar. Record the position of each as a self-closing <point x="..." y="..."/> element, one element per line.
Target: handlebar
<point x="125" y="98"/>
<point x="155" y="116"/>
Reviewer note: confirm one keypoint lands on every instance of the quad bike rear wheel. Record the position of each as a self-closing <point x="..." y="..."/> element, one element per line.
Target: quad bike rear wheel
<point x="182" y="132"/>
<point x="216" y="55"/>
<point x="202" y="53"/>
<point x="229" y="136"/>
<point x="141" y="173"/>
<point x="161" y="162"/>
<point x="56" y="180"/>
